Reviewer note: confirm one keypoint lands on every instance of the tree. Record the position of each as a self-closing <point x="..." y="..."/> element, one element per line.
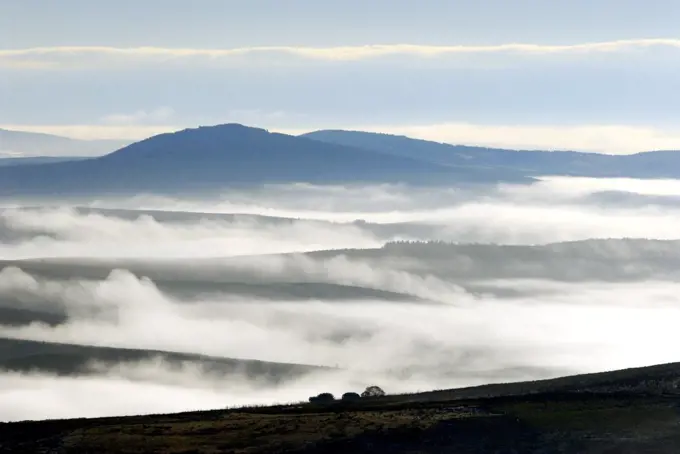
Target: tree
<point x="348" y="397"/>
<point x="322" y="398"/>
<point x="373" y="391"/>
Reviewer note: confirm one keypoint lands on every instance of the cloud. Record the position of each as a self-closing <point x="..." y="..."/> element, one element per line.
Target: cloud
<point x="43" y="396"/>
<point x="359" y="337"/>
<point x="556" y="209"/>
<point x="64" y="232"/>
<point x="41" y="57"/>
<point x="147" y="387"/>
<point x="159" y="115"/>
<point x="555" y="328"/>
<point x="10" y="154"/>
<point x="97" y="131"/>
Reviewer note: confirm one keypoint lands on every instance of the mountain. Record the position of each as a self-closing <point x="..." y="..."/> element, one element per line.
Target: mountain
<point x="214" y="157"/>
<point x="209" y="158"/>
<point x="31" y="144"/>
<point x="652" y="164"/>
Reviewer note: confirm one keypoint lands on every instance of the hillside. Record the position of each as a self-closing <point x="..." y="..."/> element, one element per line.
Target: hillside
<point x="604" y="260"/>
<point x="652" y="164"/>
<point x="626" y="411"/>
<point x="20" y="355"/>
<point x="48" y="146"/>
<point x="209" y="158"/>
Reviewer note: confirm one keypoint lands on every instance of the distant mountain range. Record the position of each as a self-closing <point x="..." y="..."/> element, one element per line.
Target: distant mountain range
<point x="215" y="157"/>
<point x="21" y="144"/>
<point x="209" y="158"/>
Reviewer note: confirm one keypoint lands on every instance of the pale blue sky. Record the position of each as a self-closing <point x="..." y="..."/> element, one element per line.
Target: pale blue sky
<point x="604" y="98"/>
<point x="237" y="23"/>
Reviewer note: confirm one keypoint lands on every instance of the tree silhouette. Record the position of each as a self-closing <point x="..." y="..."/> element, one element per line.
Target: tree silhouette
<point x="373" y="391"/>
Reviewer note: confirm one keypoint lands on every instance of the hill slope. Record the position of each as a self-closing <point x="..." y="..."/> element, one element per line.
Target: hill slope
<point x="653" y="164"/>
<point x="209" y="158"/>
<point x="628" y="411"/>
<point x="71" y="359"/>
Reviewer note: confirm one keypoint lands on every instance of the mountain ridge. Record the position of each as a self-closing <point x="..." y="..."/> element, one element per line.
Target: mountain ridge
<point x="214" y="157"/>
<point x="645" y="164"/>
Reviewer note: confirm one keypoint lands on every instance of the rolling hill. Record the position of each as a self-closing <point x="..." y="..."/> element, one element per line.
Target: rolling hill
<point x="209" y="158"/>
<point x="20" y="355"/>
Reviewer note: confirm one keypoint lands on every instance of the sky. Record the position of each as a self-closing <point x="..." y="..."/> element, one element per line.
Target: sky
<point x="591" y="75"/>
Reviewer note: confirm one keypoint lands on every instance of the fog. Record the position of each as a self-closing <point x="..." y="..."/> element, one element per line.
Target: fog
<point x="64" y="232"/>
<point x="285" y="275"/>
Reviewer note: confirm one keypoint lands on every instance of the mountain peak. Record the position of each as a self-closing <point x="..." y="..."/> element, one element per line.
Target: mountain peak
<point x="231" y="128"/>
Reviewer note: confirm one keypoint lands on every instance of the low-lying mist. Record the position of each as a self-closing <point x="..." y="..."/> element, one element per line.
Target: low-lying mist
<point x="305" y="218"/>
<point x="287" y="275"/>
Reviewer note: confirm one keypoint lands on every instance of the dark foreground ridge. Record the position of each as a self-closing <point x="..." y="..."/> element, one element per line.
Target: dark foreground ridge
<point x="627" y="411"/>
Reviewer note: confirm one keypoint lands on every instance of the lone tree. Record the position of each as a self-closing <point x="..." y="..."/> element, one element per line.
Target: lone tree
<point x="373" y="391"/>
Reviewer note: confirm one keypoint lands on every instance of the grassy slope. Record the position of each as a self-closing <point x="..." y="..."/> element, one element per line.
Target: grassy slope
<point x="635" y="410"/>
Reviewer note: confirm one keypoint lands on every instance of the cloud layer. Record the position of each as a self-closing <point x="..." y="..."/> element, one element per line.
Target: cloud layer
<point x="54" y="57"/>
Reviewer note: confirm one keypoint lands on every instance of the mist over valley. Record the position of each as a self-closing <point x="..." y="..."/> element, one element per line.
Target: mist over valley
<point x="272" y="293"/>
